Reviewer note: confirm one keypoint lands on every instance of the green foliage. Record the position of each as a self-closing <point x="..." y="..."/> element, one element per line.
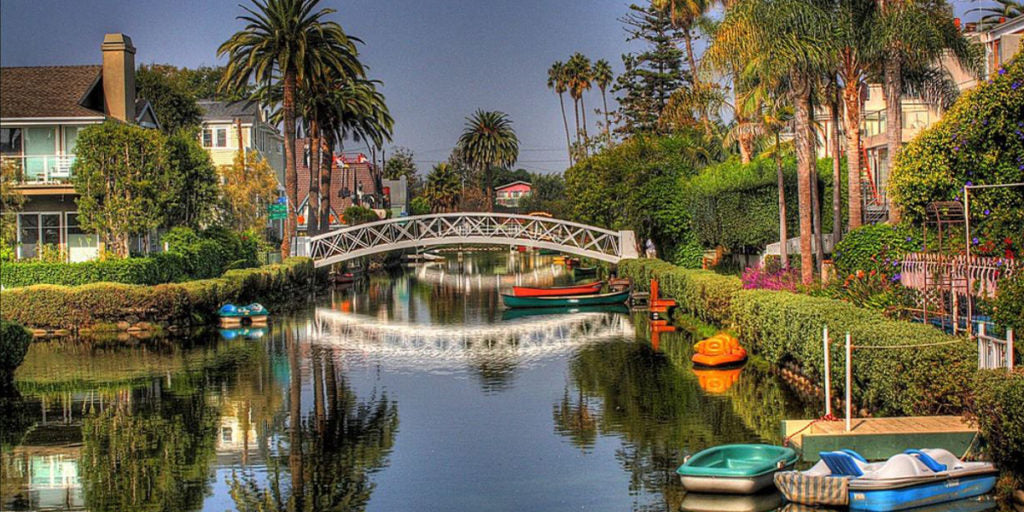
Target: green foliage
<point x="980" y="141"/>
<point x="1008" y="306"/>
<point x="736" y="205"/>
<point x="14" y="341"/>
<point x="702" y="293"/>
<point x="400" y="164"/>
<point x="10" y="203"/>
<point x="786" y="327"/>
<point x="151" y="270"/>
<point x="359" y="215"/>
<point x="878" y="247"/>
<point x="63" y="307"/>
<point x="120" y="174"/>
<point x="192" y="187"/>
<point x="419" y="206"/>
<point x="169" y="94"/>
<point x="998" y="408"/>
<point x="444" y="188"/>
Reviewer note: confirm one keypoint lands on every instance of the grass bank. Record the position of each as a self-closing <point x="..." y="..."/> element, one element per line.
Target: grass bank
<point x="99" y="306"/>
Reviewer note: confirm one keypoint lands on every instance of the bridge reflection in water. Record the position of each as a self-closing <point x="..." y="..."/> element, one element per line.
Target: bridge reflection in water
<point x="434" y="347"/>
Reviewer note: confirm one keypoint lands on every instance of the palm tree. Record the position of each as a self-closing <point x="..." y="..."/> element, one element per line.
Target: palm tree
<point x="580" y="77"/>
<point x="778" y="39"/>
<point x="992" y="15"/>
<point x="603" y="78"/>
<point x="444" y="188"/>
<point x="284" y="40"/>
<point x="913" y="34"/>
<point x="557" y="81"/>
<point x="489" y="141"/>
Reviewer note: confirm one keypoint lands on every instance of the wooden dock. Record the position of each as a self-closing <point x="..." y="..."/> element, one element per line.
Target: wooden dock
<point x="880" y="438"/>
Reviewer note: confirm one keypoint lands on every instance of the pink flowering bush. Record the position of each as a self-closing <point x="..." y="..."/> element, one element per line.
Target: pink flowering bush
<point x="760" y="278"/>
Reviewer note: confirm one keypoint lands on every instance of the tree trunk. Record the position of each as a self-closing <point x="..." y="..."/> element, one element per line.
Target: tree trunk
<point x="583" y="109"/>
<point x="893" y="89"/>
<point x="326" y="172"/>
<point x="745" y="142"/>
<point x="837" y="173"/>
<point x="313" y="200"/>
<point x="851" y="99"/>
<point x="801" y="91"/>
<point x="565" y="123"/>
<point x="291" y="179"/>
<point x="783" y="230"/>
<point x="576" y="109"/>
<point x="607" y="124"/>
<point x="688" y="40"/>
<point x="295" y="420"/>
<point x="819" y="249"/>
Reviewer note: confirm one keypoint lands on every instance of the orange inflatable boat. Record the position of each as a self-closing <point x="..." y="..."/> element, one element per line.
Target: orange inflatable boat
<point x="719" y="350"/>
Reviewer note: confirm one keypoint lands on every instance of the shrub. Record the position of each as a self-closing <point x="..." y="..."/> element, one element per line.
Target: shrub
<point x="787" y="327"/>
<point x="702" y="293"/>
<point x="359" y="215"/>
<point x="419" y="206"/>
<point x="159" y="268"/>
<point x="759" y="278"/>
<point x="1008" y="306"/>
<point x="997" y="406"/>
<point x="878" y="247"/>
<point x="63" y="307"/>
<point x="14" y="341"/>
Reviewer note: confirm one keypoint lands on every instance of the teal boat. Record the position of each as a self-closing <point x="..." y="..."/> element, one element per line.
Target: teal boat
<point x="735" y="468"/>
<point x="512" y="314"/>
<point x="566" y="301"/>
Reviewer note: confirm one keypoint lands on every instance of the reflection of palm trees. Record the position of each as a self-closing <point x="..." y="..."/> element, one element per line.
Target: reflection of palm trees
<point x="575" y="420"/>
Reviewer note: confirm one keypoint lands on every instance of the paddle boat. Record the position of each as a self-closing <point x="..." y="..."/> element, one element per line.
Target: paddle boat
<point x="232" y="315"/>
<point x="910" y="479"/>
<point x="735" y="468"/>
<point x="722" y="349"/>
<point x="596" y="299"/>
<point x="557" y="291"/>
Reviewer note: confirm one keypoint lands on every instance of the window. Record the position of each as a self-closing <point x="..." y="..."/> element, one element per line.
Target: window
<point x="207" y="138"/>
<point x="10" y="141"/>
<point x="215" y="137"/>
<point x="222" y="137"/>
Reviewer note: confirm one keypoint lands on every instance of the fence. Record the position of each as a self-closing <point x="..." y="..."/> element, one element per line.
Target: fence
<point x="993" y="352"/>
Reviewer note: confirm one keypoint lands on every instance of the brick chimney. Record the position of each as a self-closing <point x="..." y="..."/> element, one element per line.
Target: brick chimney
<point x="119" y="77"/>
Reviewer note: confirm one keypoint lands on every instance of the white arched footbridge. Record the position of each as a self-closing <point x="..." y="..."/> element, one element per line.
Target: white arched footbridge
<point x="472" y="228"/>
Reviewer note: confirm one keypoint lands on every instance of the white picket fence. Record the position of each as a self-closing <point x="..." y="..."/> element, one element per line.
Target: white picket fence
<point x="994" y="352"/>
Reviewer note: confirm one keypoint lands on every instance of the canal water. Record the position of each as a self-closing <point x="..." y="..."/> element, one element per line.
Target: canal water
<point x="411" y="391"/>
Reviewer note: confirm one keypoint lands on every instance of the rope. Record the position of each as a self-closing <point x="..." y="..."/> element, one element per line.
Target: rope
<point x="827" y="417"/>
<point x="908" y="346"/>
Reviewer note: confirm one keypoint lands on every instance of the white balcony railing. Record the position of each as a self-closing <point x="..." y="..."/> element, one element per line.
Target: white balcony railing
<point x="41" y="169"/>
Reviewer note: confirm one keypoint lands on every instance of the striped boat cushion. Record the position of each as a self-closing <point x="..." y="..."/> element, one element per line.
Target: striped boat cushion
<point x="813" y="490"/>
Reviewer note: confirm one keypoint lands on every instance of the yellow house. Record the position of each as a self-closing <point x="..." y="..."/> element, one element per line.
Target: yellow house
<point x="220" y="133"/>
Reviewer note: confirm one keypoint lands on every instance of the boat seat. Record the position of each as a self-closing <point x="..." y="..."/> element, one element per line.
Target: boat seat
<point x="841" y="464"/>
<point x="854" y="454"/>
<point x="944" y="457"/>
<point x="927" y="460"/>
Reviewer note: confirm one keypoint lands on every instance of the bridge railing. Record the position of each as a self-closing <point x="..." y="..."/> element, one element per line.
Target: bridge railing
<point x="454" y="228"/>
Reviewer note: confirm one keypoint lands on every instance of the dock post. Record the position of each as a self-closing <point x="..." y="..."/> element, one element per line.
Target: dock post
<point x="828" y="374"/>
<point x="849" y="381"/>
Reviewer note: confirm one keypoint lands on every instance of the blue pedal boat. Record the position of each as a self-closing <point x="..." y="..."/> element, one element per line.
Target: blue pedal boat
<point x="735" y="468"/>
<point x="914" y="478"/>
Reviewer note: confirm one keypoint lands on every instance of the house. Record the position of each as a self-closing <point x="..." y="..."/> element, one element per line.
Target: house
<point x="509" y="194"/>
<point x="222" y="121"/>
<point x="355" y="181"/>
<point x="42" y="111"/>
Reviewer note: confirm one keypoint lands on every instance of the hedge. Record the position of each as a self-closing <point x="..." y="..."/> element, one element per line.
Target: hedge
<point x="14" y="341"/>
<point x="156" y="269"/>
<point x="91" y="305"/>
<point x="701" y="293"/>
<point x="998" y="408"/>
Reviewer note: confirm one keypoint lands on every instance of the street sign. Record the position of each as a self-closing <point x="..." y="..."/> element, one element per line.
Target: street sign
<point x="277" y="211"/>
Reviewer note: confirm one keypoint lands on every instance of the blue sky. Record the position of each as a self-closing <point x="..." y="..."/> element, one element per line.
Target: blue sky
<point x="439" y="60"/>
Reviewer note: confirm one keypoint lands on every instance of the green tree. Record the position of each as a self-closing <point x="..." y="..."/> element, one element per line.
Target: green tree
<point x="204" y="83"/>
<point x="172" y="99"/>
<point x="487" y="141"/>
<point x="120" y="174"/>
<point x="580" y="76"/>
<point x="191" y="192"/>
<point x="650" y="76"/>
<point x="443" y="188"/>
<point x="286" y="41"/>
<point x="558" y="82"/>
<point x="400" y="164"/>
<point x="685" y="15"/>
<point x="603" y="78"/>
<point x="547" y="195"/>
<point x="246" y="190"/>
<point x="10" y="203"/>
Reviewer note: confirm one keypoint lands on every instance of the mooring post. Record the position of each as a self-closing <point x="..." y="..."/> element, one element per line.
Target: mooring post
<point x="849" y="381"/>
<point x="828" y="374"/>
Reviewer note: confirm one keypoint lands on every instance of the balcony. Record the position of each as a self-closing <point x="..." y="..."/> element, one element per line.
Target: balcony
<point x="33" y="170"/>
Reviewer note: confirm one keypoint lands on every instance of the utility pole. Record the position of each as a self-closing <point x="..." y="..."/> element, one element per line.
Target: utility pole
<point x="241" y="144"/>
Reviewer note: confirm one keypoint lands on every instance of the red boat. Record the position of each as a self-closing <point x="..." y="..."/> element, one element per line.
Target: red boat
<point x="557" y="291"/>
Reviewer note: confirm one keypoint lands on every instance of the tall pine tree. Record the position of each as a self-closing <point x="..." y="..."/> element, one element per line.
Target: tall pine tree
<point x="651" y="75"/>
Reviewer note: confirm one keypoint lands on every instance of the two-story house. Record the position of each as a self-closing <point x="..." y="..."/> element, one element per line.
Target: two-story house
<point x="354" y="181"/>
<point x="509" y="194"/>
<point x="222" y="121"/>
<point x="42" y="111"/>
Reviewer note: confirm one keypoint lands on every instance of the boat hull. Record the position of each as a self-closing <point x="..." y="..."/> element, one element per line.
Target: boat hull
<point x="951" y="489"/>
<point x="727" y="485"/>
<point x="558" y="291"/>
<point x="735" y="468"/>
<point x="577" y="300"/>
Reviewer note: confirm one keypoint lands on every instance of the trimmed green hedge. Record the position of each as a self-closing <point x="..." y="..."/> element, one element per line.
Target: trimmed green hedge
<point x="998" y="409"/>
<point x="701" y="293"/>
<point x="14" y="341"/>
<point x="156" y="269"/>
<point x="63" y="307"/>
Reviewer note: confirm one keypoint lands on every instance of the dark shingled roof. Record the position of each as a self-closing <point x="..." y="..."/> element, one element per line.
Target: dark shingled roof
<point x="228" y="111"/>
<point x="46" y="91"/>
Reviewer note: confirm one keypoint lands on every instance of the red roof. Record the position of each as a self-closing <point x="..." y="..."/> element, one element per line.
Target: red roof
<point x="350" y="170"/>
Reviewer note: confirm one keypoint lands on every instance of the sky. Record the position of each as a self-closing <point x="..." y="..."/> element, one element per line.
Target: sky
<point x="439" y="60"/>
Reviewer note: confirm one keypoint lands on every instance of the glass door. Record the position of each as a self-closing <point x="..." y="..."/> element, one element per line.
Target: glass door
<point x="40" y="148"/>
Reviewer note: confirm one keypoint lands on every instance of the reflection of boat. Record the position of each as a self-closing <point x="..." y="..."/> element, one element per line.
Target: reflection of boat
<point x="577" y="300"/>
<point x="512" y="314"/>
<point x="247" y="333"/>
<point x="557" y="291"/>
<point x="735" y="468"/>
<point x="703" y="502"/>
<point x="975" y="504"/>
<point x="423" y="256"/>
<point x="715" y="380"/>
<point x="585" y="271"/>
<point x="911" y="479"/>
